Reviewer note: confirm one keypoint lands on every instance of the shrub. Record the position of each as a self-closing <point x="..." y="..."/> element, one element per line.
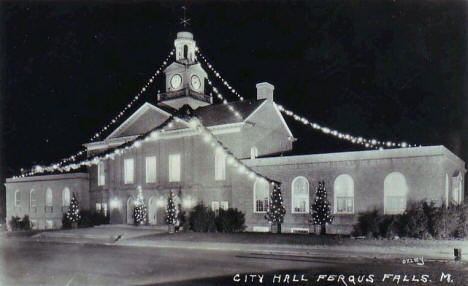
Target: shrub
<point x="368" y="224"/>
<point x="230" y="220"/>
<point x="201" y="219"/>
<point x="450" y="221"/>
<point x="182" y="221"/>
<point x="99" y="218"/>
<point x="414" y="222"/>
<point x="25" y="223"/>
<point x="20" y="224"/>
<point x="66" y="223"/>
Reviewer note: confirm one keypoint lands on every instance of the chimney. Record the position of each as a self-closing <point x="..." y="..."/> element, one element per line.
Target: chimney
<point x="265" y="90"/>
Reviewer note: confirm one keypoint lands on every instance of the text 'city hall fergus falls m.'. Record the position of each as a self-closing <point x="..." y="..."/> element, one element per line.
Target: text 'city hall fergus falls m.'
<point x="194" y="165"/>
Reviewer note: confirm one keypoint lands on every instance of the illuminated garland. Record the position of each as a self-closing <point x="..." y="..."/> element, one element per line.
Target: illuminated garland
<point x="368" y="143"/>
<point x="155" y="134"/>
<point x="135" y="98"/>
<point x="225" y="102"/>
<point x="217" y="74"/>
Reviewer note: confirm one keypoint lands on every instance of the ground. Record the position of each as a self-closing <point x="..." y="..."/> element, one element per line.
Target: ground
<point x="30" y="262"/>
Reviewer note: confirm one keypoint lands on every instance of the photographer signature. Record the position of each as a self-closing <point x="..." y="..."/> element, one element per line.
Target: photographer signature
<point x="415" y="260"/>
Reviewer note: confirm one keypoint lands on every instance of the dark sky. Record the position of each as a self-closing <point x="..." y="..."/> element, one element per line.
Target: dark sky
<point x="388" y="70"/>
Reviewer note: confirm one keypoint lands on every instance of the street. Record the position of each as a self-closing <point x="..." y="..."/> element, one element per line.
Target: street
<point x="39" y="263"/>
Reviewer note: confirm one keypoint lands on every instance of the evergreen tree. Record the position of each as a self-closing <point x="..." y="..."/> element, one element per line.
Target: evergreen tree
<point x="171" y="211"/>
<point x="140" y="212"/>
<point x="73" y="213"/>
<point x="320" y="210"/>
<point x="276" y="210"/>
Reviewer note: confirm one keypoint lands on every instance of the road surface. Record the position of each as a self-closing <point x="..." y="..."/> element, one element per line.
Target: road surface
<point x="39" y="263"/>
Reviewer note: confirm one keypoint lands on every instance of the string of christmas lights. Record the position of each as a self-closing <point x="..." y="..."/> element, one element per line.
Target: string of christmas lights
<point x="72" y="158"/>
<point x="218" y="75"/>
<point x="135" y="98"/>
<point x="225" y="102"/>
<point x="155" y="134"/>
<point x="368" y="143"/>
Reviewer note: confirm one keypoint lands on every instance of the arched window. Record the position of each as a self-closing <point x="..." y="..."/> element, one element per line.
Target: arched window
<point x="17" y="198"/>
<point x="395" y="193"/>
<point x="300" y="195"/>
<point x="343" y="194"/>
<point x="66" y="197"/>
<point x="32" y="199"/>
<point x="185" y="52"/>
<point x="253" y="152"/>
<point x="457" y="187"/>
<point x="261" y="196"/>
<point x="220" y="165"/>
<point x="48" y="197"/>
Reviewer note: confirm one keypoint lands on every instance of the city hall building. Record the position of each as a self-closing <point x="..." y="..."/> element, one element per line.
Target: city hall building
<point x="181" y="162"/>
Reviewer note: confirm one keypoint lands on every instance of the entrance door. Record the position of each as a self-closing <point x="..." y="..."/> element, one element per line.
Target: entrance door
<point x="130" y="207"/>
<point x="152" y="211"/>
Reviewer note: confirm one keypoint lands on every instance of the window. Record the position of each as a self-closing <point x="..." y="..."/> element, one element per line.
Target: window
<point x="129" y="171"/>
<point x="457" y="188"/>
<point x="224" y="205"/>
<point x="32" y="199"/>
<point x="150" y="163"/>
<point x="66" y="197"/>
<point x="220" y="165"/>
<point x="253" y="152"/>
<point x="300" y="195"/>
<point x="104" y="208"/>
<point x="17" y="198"/>
<point x="174" y="168"/>
<point x="215" y="206"/>
<point x="49" y="224"/>
<point x="49" y="198"/>
<point x="343" y="192"/>
<point x="261" y="195"/>
<point x="98" y="207"/>
<point x="101" y="174"/>
<point x="395" y="193"/>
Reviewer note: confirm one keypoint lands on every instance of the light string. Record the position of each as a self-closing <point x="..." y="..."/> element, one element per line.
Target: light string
<point x="155" y="134"/>
<point x="136" y="97"/>
<point x="368" y="143"/>
<point x="73" y="157"/>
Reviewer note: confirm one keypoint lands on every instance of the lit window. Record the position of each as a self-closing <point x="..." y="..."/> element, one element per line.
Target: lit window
<point x="98" y="207"/>
<point x="49" y="198"/>
<point x="49" y="224"/>
<point x="66" y="197"/>
<point x="253" y="152"/>
<point x="174" y="168"/>
<point x="261" y="196"/>
<point x="32" y="199"/>
<point x="17" y="198"/>
<point x="215" y="206"/>
<point x="220" y="165"/>
<point x="224" y="205"/>
<point x="104" y="208"/>
<point x="300" y="195"/>
<point x="395" y="193"/>
<point x="129" y="171"/>
<point x="150" y="169"/>
<point x="457" y="188"/>
<point x="101" y="174"/>
<point x="343" y="192"/>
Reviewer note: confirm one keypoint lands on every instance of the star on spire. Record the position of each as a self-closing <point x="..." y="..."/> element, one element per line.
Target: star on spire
<point x="185" y="21"/>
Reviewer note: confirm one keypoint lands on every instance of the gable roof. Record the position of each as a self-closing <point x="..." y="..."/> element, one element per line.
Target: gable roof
<point x="130" y="121"/>
<point x="219" y="114"/>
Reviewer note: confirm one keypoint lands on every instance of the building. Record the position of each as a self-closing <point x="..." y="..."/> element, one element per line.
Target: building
<point x="183" y="161"/>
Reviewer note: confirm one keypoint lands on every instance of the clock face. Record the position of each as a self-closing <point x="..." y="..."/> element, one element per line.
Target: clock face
<point x="196" y="83"/>
<point x="176" y="80"/>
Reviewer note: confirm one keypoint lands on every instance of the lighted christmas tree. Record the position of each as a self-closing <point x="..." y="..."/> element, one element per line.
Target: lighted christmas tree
<point x="320" y="210"/>
<point x="276" y="210"/>
<point x="73" y="213"/>
<point x="171" y="211"/>
<point x="140" y="212"/>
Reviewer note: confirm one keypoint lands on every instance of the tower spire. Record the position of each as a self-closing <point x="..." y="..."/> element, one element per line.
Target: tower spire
<point x="185" y="21"/>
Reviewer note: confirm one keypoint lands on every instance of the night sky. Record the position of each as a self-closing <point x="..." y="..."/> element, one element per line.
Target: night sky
<point x="388" y="70"/>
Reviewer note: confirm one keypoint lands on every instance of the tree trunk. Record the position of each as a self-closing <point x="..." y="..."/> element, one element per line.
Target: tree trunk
<point x="323" y="229"/>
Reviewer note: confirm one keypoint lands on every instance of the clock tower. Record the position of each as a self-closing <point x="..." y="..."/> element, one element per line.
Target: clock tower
<point x="185" y="78"/>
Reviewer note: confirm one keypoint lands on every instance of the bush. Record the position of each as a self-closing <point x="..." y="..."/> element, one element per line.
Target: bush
<point x="66" y="223"/>
<point x="421" y="220"/>
<point x="230" y="220"/>
<point x="182" y="221"/>
<point x="99" y="218"/>
<point x="201" y="219"/>
<point x="20" y="224"/>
